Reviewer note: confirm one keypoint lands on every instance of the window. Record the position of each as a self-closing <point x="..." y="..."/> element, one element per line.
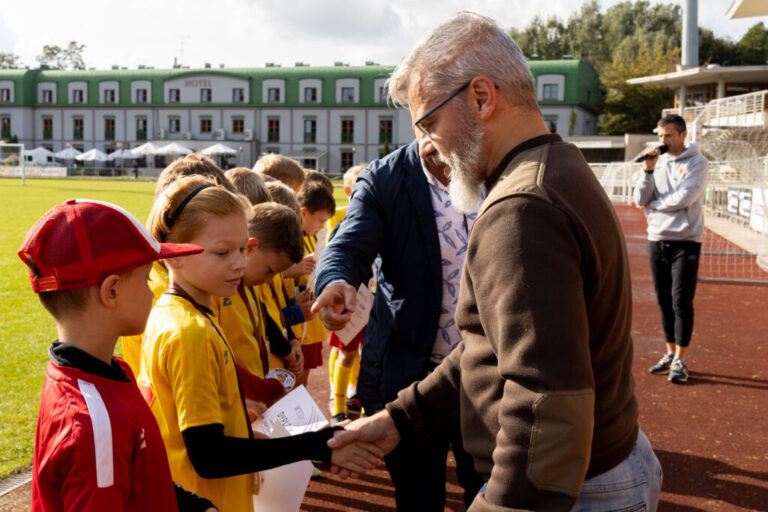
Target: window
<point x="551" y="123"/>
<point x="347" y="130"/>
<point x="310" y="95"/>
<point x="346" y="159"/>
<point x="550" y="92"/>
<point x="174" y="95"/>
<point x="273" y="130"/>
<point x="109" y="128"/>
<point x="238" y="95"/>
<point x="47" y="128"/>
<point x="5" y="127"/>
<point x="47" y="96"/>
<point x="205" y="95"/>
<point x="205" y="125"/>
<point x="174" y="125"/>
<point x="383" y="94"/>
<point x="309" y="163"/>
<point x="310" y="130"/>
<point x="141" y="128"/>
<point x="109" y="95"/>
<point x="141" y="96"/>
<point x="5" y="95"/>
<point x="238" y="125"/>
<point x="347" y="94"/>
<point x="78" y="96"/>
<point x="77" y="128"/>
<point x="273" y="95"/>
<point x="385" y="131"/>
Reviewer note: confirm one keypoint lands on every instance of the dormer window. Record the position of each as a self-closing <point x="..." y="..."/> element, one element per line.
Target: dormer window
<point x="109" y="95"/>
<point x="78" y="96"/>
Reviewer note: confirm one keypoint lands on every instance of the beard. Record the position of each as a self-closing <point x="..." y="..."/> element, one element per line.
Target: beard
<point x="463" y="162"/>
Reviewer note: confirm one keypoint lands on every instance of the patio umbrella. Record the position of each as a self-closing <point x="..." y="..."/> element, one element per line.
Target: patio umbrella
<point x="123" y="154"/>
<point x="67" y="154"/>
<point x="93" y="155"/>
<point x="218" y="149"/>
<point x="145" y="149"/>
<point x="173" y="148"/>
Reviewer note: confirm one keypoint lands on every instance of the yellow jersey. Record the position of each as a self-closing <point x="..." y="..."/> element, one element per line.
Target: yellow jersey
<point x="243" y="326"/>
<point x="189" y="379"/>
<point x="312" y="331"/>
<point x="267" y="294"/>
<point x="158" y="283"/>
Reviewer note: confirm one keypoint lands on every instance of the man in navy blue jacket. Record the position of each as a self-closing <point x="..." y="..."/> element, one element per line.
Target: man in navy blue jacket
<point x="391" y="213"/>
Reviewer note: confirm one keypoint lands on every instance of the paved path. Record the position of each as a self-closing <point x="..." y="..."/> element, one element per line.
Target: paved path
<point x="711" y="434"/>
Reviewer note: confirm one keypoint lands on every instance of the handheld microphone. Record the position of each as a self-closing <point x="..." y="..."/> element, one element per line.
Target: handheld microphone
<point x="662" y="150"/>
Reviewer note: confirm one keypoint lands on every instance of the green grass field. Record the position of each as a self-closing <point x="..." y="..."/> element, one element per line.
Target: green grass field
<point x="26" y="328"/>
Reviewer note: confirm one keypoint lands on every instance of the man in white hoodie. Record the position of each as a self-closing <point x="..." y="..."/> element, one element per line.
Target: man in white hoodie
<point x="671" y="190"/>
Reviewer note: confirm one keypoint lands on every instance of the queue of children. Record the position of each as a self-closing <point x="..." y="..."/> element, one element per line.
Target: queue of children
<point x="209" y="300"/>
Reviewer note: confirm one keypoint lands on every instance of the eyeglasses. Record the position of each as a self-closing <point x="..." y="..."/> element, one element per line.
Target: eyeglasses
<point x="418" y="125"/>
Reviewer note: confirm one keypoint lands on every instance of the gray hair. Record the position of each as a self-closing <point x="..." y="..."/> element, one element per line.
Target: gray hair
<point x="461" y="48"/>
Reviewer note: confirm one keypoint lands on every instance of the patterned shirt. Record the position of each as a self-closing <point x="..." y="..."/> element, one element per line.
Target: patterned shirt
<point x="453" y="232"/>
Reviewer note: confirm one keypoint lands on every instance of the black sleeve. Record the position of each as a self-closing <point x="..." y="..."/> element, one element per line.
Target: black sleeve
<point x="278" y="345"/>
<point x="215" y="455"/>
<point x="188" y="501"/>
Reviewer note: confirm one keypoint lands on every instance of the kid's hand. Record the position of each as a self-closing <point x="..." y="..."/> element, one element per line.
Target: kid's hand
<point x="304" y="267"/>
<point x="357" y="457"/>
<point x="304" y="300"/>
<point x="294" y="361"/>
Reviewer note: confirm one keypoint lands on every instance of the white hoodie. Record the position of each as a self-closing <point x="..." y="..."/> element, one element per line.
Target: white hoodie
<point x="673" y="196"/>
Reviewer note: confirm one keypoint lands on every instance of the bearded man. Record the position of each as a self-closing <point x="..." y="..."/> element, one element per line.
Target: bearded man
<point x="542" y="381"/>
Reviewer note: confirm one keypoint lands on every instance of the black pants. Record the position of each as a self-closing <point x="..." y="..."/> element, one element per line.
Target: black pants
<point x="418" y="471"/>
<point x="675" y="267"/>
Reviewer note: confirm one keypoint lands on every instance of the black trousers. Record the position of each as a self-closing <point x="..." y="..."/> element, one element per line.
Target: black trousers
<point x="418" y="467"/>
<point x="675" y="268"/>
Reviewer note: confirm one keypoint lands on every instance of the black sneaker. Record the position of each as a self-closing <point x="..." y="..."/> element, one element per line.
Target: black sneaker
<point x="662" y="367"/>
<point x="338" y="418"/>
<point x="678" y="371"/>
<point x="353" y="404"/>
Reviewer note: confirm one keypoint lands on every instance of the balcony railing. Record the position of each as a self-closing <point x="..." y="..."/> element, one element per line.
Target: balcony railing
<point x="5" y="133"/>
<point x="273" y="136"/>
<point x="347" y="137"/>
<point x="310" y="137"/>
<point x="141" y="134"/>
<point x="109" y="134"/>
<point x="47" y="134"/>
<point x="385" y="137"/>
<point x="77" y="134"/>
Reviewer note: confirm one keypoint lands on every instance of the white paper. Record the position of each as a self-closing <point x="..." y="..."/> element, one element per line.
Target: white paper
<point x="322" y="240"/>
<point x="296" y="411"/>
<point x="282" y="489"/>
<point x="359" y="317"/>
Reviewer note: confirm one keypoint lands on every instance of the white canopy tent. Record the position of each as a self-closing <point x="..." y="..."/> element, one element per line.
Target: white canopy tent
<point x="218" y="149"/>
<point x="173" y="148"/>
<point x="123" y="154"/>
<point x="38" y="156"/>
<point x="147" y="148"/>
<point x="93" y="155"/>
<point x="68" y="154"/>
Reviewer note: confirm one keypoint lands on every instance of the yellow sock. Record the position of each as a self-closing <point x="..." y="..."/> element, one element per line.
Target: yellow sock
<point x="340" y="381"/>
<point x="355" y="370"/>
<point x="332" y="357"/>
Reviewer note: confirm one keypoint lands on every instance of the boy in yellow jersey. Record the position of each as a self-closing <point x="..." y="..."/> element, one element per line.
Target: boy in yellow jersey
<point x="317" y="206"/>
<point x="344" y="360"/>
<point x="190" y="165"/>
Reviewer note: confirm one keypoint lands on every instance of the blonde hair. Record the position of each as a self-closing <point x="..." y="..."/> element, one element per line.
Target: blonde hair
<point x="278" y="228"/>
<point x="168" y="224"/>
<point x="283" y="194"/>
<point x="195" y="164"/>
<point x="281" y="168"/>
<point x="350" y="177"/>
<point x="249" y="183"/>
<point x="464" y="47"/>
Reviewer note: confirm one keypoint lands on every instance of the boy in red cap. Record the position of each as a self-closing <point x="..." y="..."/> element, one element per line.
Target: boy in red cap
<point x="97" y="445"/>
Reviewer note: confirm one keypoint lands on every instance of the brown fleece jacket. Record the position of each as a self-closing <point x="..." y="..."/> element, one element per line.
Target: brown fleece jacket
<point x="542" y="382"/>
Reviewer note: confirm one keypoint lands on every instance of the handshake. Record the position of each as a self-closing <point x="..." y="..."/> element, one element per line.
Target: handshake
<point x="362" y="444"/>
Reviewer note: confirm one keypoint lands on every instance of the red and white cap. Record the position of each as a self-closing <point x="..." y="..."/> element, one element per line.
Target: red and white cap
<point x="80" y="242"/>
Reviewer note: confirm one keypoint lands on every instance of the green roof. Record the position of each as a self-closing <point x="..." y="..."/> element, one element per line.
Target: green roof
<point x="580" y="78"/>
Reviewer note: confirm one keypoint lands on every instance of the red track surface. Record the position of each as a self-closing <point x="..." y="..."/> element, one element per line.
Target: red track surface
<point x="710" y="434"/>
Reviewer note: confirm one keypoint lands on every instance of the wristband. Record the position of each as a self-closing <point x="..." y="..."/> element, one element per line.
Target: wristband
<point x="649" y="171"/>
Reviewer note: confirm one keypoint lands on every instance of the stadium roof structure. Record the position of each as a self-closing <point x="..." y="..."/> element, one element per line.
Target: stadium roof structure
<point x="747" y="9"/>
<point x="699" y="75"/>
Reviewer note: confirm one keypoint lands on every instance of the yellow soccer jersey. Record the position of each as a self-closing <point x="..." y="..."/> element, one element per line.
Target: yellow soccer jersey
<point x="337" y="217"/>
<point x="188" y="377"/>
<point x="314" y="330"/>
<point x="237" y="322"/>
<point x="266" y="295"/>
<point x="158" y="283"/>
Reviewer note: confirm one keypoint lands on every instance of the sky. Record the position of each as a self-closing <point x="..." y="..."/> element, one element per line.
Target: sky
<point x="249" y="33"/>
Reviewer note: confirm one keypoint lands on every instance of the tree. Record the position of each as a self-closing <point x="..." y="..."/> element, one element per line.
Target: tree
<point x="70" y="57"/>
<point x="716" y="50"/>
<point x="635" y="108"/>
<point x="9" y="60"/>
<point x="753" y="47"/>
